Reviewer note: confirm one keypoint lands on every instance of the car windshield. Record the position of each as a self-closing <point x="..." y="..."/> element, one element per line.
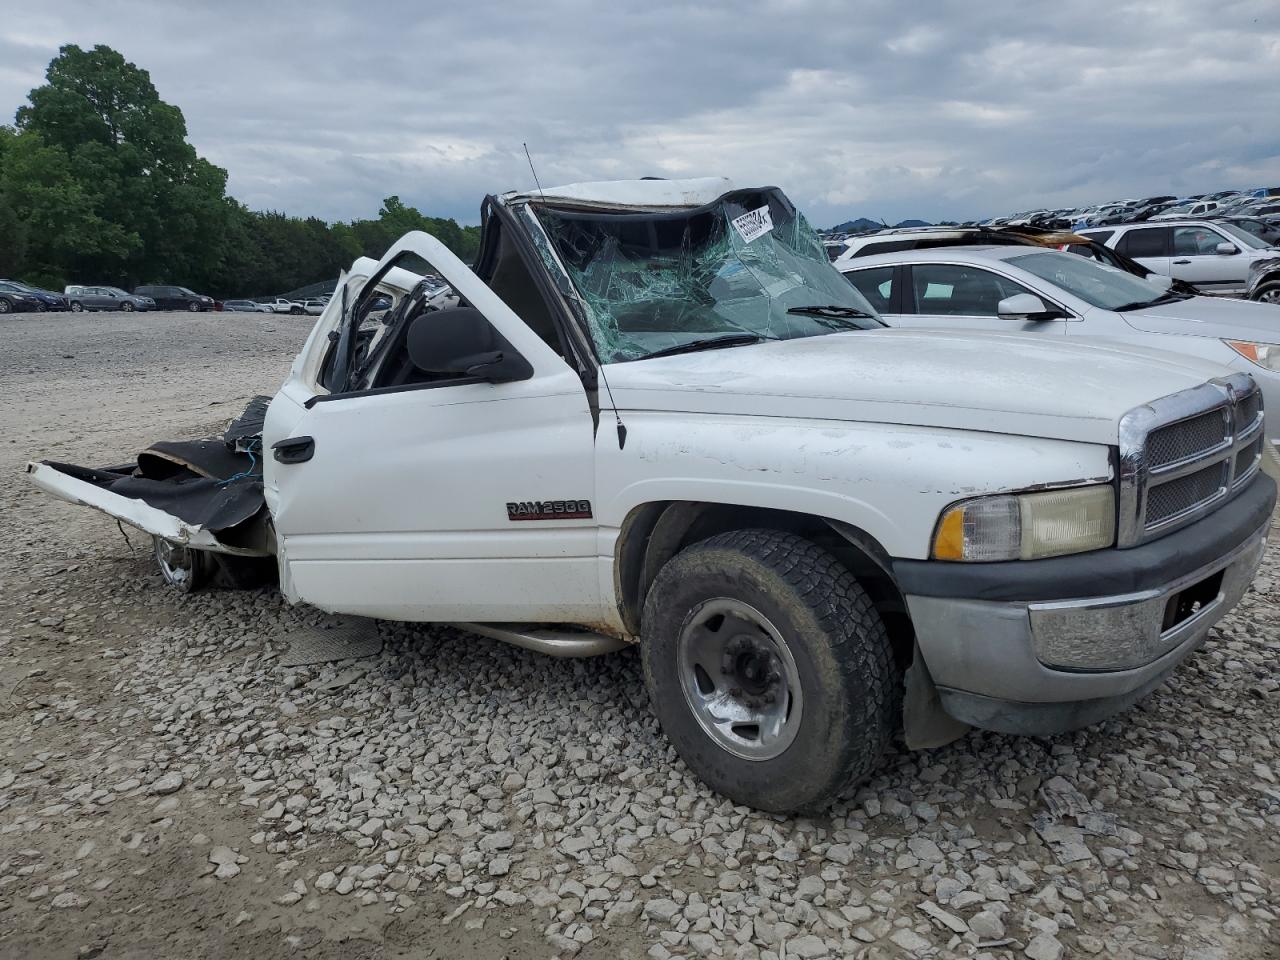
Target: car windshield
<point x="1248" y="239"/>
<point x="116" y="290"/>
<point x="1093" y="282"/>
<point x="743" y="265"/>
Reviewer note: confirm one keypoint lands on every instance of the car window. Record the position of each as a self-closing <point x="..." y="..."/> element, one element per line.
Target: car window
<point x="1102" y="236"/>
<point x="962" y="291"/>
<point x="1093" y="282"/>
<point x="1196" y="241"/>
<point x="876" y="285"/>
<point x="1147" y="242"/>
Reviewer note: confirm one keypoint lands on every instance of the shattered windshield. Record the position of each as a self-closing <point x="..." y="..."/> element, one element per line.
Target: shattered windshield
<point x="745" y="264"/>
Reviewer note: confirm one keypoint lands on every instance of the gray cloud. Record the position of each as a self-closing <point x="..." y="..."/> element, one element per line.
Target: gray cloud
<point x="937" y="109"/>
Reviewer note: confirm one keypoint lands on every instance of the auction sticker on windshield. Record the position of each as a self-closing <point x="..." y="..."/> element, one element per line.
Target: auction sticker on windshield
<point x="753" y="224"/>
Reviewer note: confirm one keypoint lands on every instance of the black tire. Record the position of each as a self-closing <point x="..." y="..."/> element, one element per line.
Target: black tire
<point x="77" y="306"/>
<point x="851" y="690"/>
<point x="5" y="305"/>
<point x="296" y="311"/>
<point x="1268" y="293"/>
<point x="193" y="307"/>
<point x="126" y="307"/>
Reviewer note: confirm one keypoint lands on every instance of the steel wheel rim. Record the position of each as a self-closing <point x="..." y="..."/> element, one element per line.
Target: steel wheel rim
<point x="175" y="562"/>
<point x="739" y="679"/>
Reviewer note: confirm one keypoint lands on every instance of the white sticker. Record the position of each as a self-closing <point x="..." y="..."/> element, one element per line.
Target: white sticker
<point x="753" y="224"/>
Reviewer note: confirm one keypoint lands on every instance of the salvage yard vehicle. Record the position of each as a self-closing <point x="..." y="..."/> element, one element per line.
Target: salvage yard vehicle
<point x="654" y="413"/>
<point x="106" y="298"/>
<point x="176" y="298"/>
<point x="44" y="299"/>
<point x="1215" y="256"/>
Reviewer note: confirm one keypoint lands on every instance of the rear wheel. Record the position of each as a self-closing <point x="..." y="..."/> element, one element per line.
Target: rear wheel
<point x="1269" y="293"/>
<point x="769" y="669"/>
<point x="77" y="306"/>
<point x="183" y="568"/>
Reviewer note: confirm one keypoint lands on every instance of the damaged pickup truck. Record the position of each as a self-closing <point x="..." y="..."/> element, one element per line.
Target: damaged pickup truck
<point x="653" y="413"/>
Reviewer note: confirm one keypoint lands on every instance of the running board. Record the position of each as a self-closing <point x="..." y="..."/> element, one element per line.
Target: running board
<point x="553" y="642"/>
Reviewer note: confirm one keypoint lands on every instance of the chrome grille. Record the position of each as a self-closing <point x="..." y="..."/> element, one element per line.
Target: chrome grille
<point x="1247" y="410"/>
<point x="1248" y="461"/>
<point x="1185" y="454"/>
<point x="1172" y="499"/>
<point x="1188" y="438"/>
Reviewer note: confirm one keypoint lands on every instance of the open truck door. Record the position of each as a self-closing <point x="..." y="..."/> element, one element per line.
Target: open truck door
<point x="434" y="462"/>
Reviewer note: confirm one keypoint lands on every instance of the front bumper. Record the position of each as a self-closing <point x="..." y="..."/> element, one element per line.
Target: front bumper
<point x="1055" y="645"/>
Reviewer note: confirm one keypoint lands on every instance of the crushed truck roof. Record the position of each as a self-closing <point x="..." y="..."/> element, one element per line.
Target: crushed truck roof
<point x="631" y="194"/>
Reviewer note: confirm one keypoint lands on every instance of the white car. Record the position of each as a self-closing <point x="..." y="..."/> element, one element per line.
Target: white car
<point x="281" y="305"/>
<point x="1213" y="255"/>
<point x="655" y="415"/>
<point x="1060" y="294"/>
<point x="1197" y="208"/>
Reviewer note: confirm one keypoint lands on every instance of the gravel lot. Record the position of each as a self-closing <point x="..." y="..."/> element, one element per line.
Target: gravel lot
<point x="168" y="789"/>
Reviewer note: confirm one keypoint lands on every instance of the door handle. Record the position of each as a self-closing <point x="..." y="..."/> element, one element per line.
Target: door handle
<point x="1182" y="263"/>
<point x="294" y="449"/>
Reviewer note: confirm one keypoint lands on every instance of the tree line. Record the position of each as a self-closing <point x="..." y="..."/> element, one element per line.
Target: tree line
<point x="98" y="184"/>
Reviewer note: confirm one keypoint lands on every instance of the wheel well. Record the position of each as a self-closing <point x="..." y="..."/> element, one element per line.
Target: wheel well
<point x="653" y="533"/>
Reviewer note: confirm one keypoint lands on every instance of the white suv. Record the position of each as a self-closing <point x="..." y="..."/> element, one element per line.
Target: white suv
<point x="1214" y="256"/>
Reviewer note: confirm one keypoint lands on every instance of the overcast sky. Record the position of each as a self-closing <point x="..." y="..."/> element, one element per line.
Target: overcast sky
<point x="881" y="109"/>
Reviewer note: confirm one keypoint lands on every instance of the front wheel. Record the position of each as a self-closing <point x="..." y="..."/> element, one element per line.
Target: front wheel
<point x="5" y="305"/>
<point x="1269" y="293"/>
<point x="127" y="307"/>
<point x="769" y="669"/>
<point x="193" y="307"/>
<point x="183" y="568"/>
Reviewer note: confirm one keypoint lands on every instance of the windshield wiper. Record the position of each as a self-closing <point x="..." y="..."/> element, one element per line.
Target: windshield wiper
<point x="1169" y="297"/>
<point x="708" y="343"/>
<point x="833" y="311"/>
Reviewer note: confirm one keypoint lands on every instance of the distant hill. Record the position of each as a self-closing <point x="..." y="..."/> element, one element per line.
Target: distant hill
<point x="863" y="224"/>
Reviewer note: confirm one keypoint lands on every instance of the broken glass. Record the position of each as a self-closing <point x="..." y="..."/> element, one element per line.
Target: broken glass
<point x="652" y="281"/>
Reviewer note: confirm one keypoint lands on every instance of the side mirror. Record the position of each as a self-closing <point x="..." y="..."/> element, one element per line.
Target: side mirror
<point x="1225" y="249"/>
<point x="1025" y="306"/>
<point x="460" y="341"/>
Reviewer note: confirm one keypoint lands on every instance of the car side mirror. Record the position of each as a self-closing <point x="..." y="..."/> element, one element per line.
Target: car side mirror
<point x="1226" y="249"/>
<point x="1025" y="306"/>
<point x="460" y="341"/>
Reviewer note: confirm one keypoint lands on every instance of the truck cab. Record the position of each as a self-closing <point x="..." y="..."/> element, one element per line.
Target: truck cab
<point x="653" y="413"/>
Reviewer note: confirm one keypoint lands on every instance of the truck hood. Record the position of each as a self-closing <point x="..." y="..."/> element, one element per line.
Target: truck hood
<point x="1210" y="317"/>
<point x="1014" y="383"/>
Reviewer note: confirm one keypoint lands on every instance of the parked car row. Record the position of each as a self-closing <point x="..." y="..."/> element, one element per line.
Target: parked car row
<point x="1257" y="203"/>
<point x="16" y="297"/>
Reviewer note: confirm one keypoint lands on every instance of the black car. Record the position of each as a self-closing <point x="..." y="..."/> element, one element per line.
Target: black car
<point x="46" y="299"/>
<point x="13" y="300"/>
<point x="175" y="298"/>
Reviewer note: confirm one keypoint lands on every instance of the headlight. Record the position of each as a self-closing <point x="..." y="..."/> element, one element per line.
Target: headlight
<point x="1263" y="354"/>
<point x="1028" y="526"/>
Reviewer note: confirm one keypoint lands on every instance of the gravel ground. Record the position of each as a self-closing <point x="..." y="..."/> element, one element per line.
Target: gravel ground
<point x="169" y="789"/>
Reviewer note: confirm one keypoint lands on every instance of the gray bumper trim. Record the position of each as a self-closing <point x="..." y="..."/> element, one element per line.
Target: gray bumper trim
<point x="979" y="650"/>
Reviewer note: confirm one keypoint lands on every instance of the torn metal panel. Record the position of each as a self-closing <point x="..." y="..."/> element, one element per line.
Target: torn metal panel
<point x="137" y="513"/>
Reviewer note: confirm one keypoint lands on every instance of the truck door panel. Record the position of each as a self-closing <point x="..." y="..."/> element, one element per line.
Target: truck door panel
<point x="403" y="512"/>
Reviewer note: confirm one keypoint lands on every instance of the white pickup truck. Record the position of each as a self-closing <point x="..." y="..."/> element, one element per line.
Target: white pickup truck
<point x="654" y="413"/>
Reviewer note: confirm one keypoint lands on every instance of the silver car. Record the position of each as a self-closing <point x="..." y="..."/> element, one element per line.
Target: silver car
<point x="1052" y="293"/>
<point x="1213" y="255"/>
<point x="105" y="298"/>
